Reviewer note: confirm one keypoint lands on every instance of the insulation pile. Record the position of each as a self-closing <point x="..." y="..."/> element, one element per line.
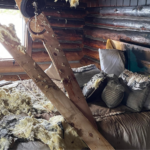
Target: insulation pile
<point x="73" y="3"/>
<point x="18" y="107"/>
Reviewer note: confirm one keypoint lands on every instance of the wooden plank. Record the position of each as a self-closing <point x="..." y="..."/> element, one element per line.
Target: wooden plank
<point x="119" y="35"/>
<point x="71" y="113"/>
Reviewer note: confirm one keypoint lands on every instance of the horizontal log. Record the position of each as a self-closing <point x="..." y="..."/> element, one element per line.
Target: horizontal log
<point x="12" y="75"/>
<point x="65" y="13"/>
<point x="41" y="57"/>
<point x="90" y="53"/>
<point x="39" y="45"/>
<point x="121" y="11"/>
<point x="136" y="23"/>
<point x="142" y="38"/>
<point x="44" y="57"/>
<point x="94" y="43"/>
<point x="87" y="61"/>
<point x="15" y="77"/>
<point x="61" y="22"/>
<point x="18" y="68"/>
<point x="68" y="34"/>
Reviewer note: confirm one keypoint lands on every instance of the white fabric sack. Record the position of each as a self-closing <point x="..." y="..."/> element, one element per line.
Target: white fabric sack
<point x="111" y="61"/>
<point x="52" y="72"/>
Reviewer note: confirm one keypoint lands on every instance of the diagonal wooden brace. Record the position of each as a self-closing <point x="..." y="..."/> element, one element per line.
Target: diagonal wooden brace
<point x="43" y="31"/>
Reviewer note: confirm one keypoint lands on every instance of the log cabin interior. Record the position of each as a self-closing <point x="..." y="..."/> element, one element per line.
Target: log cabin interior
<point x="81" y="80"/>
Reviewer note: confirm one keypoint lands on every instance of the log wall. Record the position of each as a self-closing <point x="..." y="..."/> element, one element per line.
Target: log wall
<point x="121" y="20"/>
<point x="82" y="30"/>
<point x="67" y="24"/>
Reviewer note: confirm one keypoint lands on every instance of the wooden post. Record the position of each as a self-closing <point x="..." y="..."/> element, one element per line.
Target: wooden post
<point x="72" y="114"/>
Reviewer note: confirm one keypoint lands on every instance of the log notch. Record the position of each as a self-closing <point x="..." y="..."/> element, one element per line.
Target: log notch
<point x="125" y="21"/>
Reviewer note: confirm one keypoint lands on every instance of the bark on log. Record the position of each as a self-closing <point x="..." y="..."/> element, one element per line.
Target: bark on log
<point x="17" y="68"/>
<point x="93" y="54"/>
<point x="65" y="13"/>
<point x="122" y="35"/>
<point x="62" y="22"/>
<point x="94" y="43"/>
<point x="86" y="61"/>
<point x="43" y="56"/>
<point x="14" y="77"/>
<point x="65" y="46"/>
<point x="136" y="23"/>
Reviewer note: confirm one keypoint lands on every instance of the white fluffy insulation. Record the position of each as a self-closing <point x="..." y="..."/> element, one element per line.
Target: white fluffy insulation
<point x="56" y="133"/>
<point x="73" y="3"/>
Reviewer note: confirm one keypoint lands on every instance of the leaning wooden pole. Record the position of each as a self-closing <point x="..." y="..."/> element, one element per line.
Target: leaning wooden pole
<point x="72" y="114"/>
<point x="59" y="60"/>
